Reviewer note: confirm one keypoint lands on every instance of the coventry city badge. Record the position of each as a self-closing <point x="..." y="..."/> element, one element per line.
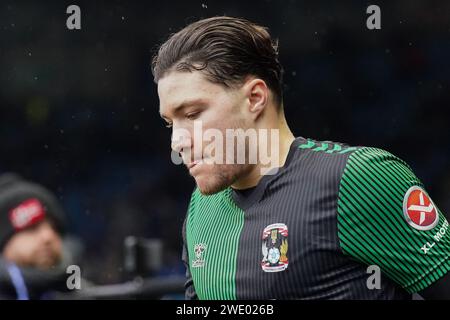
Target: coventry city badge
<point x="274" y="248"/>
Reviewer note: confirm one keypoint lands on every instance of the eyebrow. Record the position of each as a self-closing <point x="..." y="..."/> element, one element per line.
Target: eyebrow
<point x="184" y="105"/>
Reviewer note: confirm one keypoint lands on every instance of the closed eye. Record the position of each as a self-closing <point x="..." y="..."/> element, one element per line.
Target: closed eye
<point x="192" y="115"/>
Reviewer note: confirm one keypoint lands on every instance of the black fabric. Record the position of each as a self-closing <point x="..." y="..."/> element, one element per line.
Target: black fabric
<point x="244" y="193"/>
<point x="190" y="293"/>
<point x="242" y="196"/>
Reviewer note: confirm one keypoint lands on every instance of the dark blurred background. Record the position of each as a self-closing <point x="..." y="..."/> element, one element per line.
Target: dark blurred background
<point x="79" y="109"/>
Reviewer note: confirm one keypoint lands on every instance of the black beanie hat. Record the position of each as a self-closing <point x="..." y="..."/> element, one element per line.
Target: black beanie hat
<point x="22" y="204"/>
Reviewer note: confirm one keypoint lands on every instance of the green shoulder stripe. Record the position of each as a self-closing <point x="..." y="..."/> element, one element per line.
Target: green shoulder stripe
<point x="326" y="146"/>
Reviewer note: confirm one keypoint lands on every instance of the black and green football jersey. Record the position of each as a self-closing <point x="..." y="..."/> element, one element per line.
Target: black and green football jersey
<point x="312" y="230"/>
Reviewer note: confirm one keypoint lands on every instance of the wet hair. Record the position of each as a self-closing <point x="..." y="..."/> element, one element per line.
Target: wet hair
<point x="226" y="50"/>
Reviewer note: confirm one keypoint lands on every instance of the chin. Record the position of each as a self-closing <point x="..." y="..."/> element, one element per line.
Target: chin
<point x="216" y="178"/>
<point x="213" y="182"/>
<point x="208" y="185"/>
<point x="48" y="262"/>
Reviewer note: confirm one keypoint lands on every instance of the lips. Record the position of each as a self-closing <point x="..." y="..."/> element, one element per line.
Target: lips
<point x="192" y="164"/>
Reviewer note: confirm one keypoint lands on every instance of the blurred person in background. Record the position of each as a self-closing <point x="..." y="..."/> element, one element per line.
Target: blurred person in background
<point x="33" y="261"/>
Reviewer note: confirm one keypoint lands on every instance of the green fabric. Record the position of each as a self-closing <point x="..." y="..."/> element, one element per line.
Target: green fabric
<point x="214" y="223"/>
<point x="372" y="227"/>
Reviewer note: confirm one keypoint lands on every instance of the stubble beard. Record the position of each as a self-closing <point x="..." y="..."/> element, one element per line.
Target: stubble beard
<point x="222" y="177"/>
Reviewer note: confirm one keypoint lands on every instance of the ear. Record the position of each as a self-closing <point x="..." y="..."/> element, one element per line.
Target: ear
<point x="258" y="95"/>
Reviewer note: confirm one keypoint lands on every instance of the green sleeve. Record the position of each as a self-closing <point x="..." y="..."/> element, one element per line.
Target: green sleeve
<point x="386" y="218"/>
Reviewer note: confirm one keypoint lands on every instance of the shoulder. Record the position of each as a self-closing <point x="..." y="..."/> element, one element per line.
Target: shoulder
<point x="325" y="147"/>
<point x="315" y="153"/>
<point x="375" y="160"/>
<point x="374" y="180"/>
<point x="346" y="161"/>
<point x="386" y="218"/>
<point x="372" y="170"/>
<point x="321" y="160"/>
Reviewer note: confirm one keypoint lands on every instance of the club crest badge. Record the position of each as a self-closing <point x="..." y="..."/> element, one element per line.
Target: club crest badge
<point x="198" y="262"/>
<point x="275" y="248"/>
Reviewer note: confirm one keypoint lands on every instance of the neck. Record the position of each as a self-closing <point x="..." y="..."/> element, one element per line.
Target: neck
<point x="286" y="138"/>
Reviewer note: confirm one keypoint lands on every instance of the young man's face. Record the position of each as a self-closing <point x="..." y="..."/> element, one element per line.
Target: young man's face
<point x="38" y="246"/>
<point x="186" y="97"/>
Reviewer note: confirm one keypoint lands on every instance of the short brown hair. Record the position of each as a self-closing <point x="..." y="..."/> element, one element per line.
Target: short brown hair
<point x="226" y="50"/>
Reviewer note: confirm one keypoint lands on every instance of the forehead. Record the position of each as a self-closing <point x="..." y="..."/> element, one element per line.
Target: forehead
<point x="34" y="228"/>
<point x="176" y="88"/>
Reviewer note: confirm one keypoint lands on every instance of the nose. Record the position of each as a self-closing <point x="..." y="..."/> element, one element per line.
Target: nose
<point x="181" y="139"/>
<point x="47" y="233"/>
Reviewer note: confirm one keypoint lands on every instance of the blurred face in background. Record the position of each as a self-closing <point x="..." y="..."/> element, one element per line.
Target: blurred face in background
<point x="38" y="246"/>
<point x="186" y="97"/>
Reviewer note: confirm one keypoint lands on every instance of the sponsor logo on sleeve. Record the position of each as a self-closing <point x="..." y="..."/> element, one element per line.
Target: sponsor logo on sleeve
<point x="419" y="210"/>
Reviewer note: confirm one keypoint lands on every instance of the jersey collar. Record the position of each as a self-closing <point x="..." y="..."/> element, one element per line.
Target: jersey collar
<point x="245" y="200"/>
